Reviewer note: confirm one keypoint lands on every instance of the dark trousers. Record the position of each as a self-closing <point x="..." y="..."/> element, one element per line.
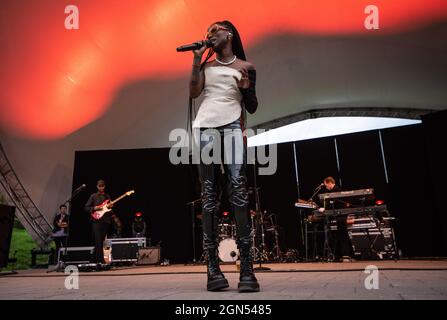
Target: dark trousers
<point x="342" y="243"/>
<point x="233" y="157"/>
<point x="60" y="243"/>
<point x="99" y="229"/>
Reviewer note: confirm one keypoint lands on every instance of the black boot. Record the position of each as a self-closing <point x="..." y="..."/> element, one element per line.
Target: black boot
<point x="247" y="279"/>
<point x="216" y="279"/>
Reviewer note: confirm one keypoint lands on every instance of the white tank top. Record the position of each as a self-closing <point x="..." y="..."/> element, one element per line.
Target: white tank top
<point x="222" y="99"/>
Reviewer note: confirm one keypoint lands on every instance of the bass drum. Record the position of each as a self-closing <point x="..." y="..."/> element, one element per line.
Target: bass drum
<point x="228" y="251"/>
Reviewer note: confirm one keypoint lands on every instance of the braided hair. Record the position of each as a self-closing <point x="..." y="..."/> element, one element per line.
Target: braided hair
<point x="236" y="43"/>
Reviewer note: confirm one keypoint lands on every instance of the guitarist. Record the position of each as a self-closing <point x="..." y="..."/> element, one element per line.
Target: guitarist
<point x="101" y="226"/>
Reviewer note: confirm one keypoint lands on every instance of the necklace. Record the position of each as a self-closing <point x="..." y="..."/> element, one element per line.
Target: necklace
<point x="226" y="63"/>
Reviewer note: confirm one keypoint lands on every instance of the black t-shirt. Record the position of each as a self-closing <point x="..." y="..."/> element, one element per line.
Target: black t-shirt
<point x="95" y="200"/>
<point x="56" y="219"/>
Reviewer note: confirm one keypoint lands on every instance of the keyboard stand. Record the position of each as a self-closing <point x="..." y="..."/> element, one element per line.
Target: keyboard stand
<point x="328" y="255"/>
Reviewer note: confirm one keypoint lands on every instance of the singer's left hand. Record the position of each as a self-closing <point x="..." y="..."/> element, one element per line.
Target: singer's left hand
<point x="244" y="83"/>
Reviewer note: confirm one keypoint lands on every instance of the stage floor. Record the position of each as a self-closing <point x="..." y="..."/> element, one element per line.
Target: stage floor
<point x="403" y="279"/>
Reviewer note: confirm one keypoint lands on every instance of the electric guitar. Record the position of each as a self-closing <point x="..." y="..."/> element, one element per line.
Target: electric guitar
<point x="106" y="206"/>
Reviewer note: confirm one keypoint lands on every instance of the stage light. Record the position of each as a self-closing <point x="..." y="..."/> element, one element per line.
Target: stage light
<point x="139" y="226"/>
<point x="379" y="202"/>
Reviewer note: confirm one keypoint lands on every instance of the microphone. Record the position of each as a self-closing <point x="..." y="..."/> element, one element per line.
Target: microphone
<point x="81" y="187"/>
<point x="195" y="46"/>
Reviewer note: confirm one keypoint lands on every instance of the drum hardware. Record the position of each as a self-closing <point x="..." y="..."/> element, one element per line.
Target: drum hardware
<point x="262" y="253"/>
<point x="269" y="228"/>
<point x="259" y="248"/>
<point x="276" y="253"/>
<point x="291" y="256"/>
<point x="226" y="230"/>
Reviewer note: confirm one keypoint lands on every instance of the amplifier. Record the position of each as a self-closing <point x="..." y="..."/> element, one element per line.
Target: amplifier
<point x="373" y="242"/>
<point x="149" y="255"/>
<point x="75" y="255"/>
<point x="125" y="249"/>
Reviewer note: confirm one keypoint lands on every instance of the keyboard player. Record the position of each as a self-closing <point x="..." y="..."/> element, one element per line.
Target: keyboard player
<point x="328" y="186"/>
<point x="341" y="243"/>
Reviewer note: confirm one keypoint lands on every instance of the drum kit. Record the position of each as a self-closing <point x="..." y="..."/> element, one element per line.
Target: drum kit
<point x="265" y="229"/>
<point x="265" y="241"/>
<point x="228" y="251"/>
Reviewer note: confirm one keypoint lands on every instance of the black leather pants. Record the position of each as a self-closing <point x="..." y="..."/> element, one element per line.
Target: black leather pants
<point x="229" y="142"/>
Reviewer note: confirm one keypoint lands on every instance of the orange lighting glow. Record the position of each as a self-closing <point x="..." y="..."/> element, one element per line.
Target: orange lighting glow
<point x="54" y="81"/>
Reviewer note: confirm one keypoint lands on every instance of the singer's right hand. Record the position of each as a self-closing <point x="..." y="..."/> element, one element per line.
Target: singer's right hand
<point x="199" y="52"/>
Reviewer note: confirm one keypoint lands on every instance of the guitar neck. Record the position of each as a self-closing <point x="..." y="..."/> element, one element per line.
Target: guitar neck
<point x="118" y="199"/>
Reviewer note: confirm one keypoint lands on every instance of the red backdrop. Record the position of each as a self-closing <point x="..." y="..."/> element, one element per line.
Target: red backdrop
<point x="54" y="81"/>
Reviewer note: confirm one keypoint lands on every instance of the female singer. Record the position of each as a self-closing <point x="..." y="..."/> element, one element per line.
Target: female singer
<point x="228" y="84"/>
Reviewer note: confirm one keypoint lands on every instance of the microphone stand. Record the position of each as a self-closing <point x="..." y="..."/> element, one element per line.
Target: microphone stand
<point x="193" y="211"/>
<point x="317" y="189"/>
<point x="259" y="214"/>
<point x="60" y="264"/>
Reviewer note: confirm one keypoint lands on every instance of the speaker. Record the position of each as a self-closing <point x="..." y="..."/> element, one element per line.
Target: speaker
<point x="148" y="255"/>
<point x="75" y="255"/>
<point x="6" y="224"/>
<point x="373" y="242"/>
<point x="125" y="249"/>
